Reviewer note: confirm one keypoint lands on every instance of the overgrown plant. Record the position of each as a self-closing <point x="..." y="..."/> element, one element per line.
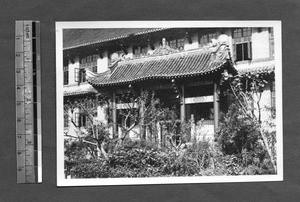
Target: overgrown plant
<point x="91" y="135"/>
<point x="241" y="128"/>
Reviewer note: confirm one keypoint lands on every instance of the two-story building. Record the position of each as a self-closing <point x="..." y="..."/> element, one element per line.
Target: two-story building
<point x="182" y="65"/>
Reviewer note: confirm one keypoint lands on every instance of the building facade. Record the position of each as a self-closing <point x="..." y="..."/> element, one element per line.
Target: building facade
<point x="183" y="66"/>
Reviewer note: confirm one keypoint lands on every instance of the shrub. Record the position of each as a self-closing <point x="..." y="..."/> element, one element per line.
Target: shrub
<point x="148" y="162"/>
<point x="237" y="132"/>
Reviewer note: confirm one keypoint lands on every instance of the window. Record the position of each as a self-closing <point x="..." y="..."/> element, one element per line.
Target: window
<point x="88" y="61"/>
<point x="83" y="61"/>
<point x="76" y="75"/>
<point x="82" y="75"/>
<point x="94" y="69"/>
<point x="136" y="51"/>
<point x="271" y="39"/>
<point x="79" y="75"/>
<point x="177" y="43"/>
<point x="173" y="44"/>
<point x="243" y="51"/>
<point x="273" y="100"/>
<point x="66" y="75"/>
<point x="66" y="120"/>
<point x="205" y="39"/>
<point x="180" y="43"/>
<point x="94" y="63"/>
<point x="80" y="119"/>
<point x="242" y="45"/>
<point x="144" y="50"/>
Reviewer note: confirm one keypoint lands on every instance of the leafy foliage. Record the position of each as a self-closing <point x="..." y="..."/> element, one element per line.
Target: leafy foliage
<point x="237" y="132"/>
<point x="240" y="147"/>
<point x="241" y="133"/>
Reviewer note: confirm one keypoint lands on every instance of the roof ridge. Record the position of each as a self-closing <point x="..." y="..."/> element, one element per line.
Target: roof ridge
<point x="167" y="56"/>
<point x="115" y="38"/>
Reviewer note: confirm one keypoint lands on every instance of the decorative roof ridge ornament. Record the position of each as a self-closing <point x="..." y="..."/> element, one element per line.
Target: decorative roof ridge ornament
<point x="114" y="63"/>
<point x="164" y="49"/>
<point x="89" y="74"/>
<point x="219" y="48"/>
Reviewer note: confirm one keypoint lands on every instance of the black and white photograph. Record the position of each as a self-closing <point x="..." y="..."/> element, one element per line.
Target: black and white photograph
<point x="163" y="102"/>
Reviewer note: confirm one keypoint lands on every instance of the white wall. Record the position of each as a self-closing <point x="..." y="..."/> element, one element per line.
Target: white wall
<point x="72" y="67"/>
<point x="265" y="103"/>
<point x="260" y="44"/>
<point x="129" y="53"/>
<point x="101" y="114"/>
<point x="193" y="45"/>
<point x="102" y="64"/>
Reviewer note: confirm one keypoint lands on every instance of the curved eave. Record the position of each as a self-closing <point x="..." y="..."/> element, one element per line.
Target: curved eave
<point x="149" y="77"/>
<point x="79" y="93"/>
<point x="111" y="39"/>
<point x="265" y="69"/>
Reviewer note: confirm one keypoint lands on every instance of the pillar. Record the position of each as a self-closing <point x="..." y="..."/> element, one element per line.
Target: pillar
<point x="182" y="106"/>
<point x="159" y="134"/>
<point x="114" y="114"/>
<point x="216" y="107"/>
<point x="142" y="114"/>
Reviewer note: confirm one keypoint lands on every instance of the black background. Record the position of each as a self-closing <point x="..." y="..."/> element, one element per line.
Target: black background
<point x="49" y="11"/>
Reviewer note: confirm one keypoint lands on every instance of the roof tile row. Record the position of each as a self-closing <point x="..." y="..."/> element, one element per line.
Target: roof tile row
<point x="168" y="66"/>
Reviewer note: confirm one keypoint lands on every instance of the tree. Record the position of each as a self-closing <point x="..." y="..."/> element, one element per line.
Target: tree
<point x="138" y="109"/>
<point x="245" y="91"/>
<point x="90" y="135"/>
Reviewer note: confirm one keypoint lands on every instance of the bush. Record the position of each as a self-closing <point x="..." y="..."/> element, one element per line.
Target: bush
<point x="237" y="132"/>
<point x="147" y="162"/>
<point x="145" y="159"/>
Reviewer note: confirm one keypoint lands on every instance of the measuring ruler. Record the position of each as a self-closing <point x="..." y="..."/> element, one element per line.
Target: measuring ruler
<point x="28" y="102"/>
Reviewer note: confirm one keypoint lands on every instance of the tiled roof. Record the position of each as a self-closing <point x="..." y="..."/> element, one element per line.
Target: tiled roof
<point x="178" y="65"/>
<point x="74" y="38"/>
<point x="262" y="69"/>
<point x="79" y="90"/>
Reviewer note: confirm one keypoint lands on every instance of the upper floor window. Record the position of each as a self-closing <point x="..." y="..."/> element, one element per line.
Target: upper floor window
<point x="242" y="45"/>
<point x="89" y="61"/>
<point x="177" y="43"/>
<point x="66" y="75"/>
<point x="94" y="69"/>
<point x="271" y="41"/>
<point x="136" y="51"/>
<point x="144" y="50"/>
<point x="79" y="75"/>
<point x="205" y="39"/>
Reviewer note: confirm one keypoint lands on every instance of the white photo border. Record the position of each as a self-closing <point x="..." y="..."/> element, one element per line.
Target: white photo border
<point x="60" y="26"/>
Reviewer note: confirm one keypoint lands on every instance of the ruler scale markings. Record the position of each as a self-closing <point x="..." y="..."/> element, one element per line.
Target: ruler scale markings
<point x="28" y="137"/>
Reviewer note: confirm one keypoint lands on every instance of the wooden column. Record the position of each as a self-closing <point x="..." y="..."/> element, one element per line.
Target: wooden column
<point x="182" y="105"/>
<point x="114" y="114"/>
<point x="159" y="134"/>
<point x="216" y="107"/>
<point x="142" y="114"/>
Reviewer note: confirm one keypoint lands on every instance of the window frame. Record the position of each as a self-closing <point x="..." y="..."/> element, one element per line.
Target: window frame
<point x="246" y="54"/>
<point x="80" y="119"/>
<point x="77" y="75"/>
<point x="95" y="69"/>
<point x="273" y="97"/>
<point x="66" y="75"/>
<point x="144" y="50"/>
<point x="243" y="37"/>
<point x="205" y="39"/>
<point x="88" y="61"/>
<point x="271" y="43"/>
<point x="82" y="75"/>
